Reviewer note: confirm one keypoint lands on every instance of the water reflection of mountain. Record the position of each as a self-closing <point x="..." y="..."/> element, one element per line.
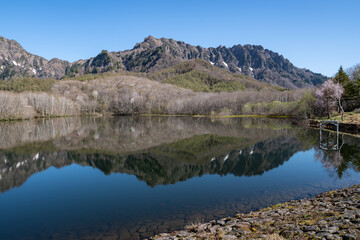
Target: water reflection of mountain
<point x="155" y="150"/>
<point x="170" y="163"/>
<point x="164" y="164"/>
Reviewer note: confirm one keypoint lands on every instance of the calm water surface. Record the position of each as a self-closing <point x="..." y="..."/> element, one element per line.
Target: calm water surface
<point x="129" y="178"/>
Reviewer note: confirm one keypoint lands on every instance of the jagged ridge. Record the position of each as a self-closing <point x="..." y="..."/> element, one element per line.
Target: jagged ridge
<point x="153" y="55"/>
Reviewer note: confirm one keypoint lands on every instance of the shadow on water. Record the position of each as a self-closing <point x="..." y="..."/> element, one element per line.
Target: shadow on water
<point x="192" y="169"/>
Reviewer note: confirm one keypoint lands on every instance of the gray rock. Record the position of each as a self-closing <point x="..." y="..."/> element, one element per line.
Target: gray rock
<point x="310" y="228"/>
<point x="229" y="237"/>
<point x="242" y="225"/>
<point x="220" y="222"/>
<point x="301" y="224"/>
<point x="331" y="229"/>
<point x="349" y="237"/>
<point x="286" y="233"/>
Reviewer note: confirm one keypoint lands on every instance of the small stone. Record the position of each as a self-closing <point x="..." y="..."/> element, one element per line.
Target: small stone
<point x="311" y="233"/>
<point x="213" y="230"/>
<point x="220" y="222"/>
<point x="182" y="234"/>
<point x="286" y="233"/>
<point x="321" y="234"/>
<point x="322" y="222"/>
<point x="243" y="224"/>
<point x="349" y="237"/>
<point x="244" y="231"/>
<point x="355" y="221"/>
<point x="332" y="229"/>
<point x="310" y="228"/>
<point x="332" y="237"/>
<point x="295" y="230"/>
<point x="228" y="237"/>
<point x="238" y="215"/>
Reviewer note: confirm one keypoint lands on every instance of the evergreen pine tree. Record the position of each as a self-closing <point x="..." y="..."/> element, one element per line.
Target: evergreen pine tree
<point x="341" y="77"/>
<point x="350" y="87"/>
<point x="356" y="80"/>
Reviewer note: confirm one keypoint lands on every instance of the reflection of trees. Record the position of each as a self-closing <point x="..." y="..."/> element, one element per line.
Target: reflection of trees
<point x="129" y="134"/>
<point x="161" y="150"/>
<point x="156" y="150"/>
<point x="351" y="158"/>
<point x="260" y="157"/>
<point x="347" y="156"/>
<point x="329" y="143"/>
<point x="164" y="164"/>
<point x="169" y="163"/>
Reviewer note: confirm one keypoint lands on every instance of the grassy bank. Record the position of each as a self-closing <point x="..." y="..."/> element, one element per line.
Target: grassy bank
<point x="349" y="118"/>
<point x="350" y="124"/>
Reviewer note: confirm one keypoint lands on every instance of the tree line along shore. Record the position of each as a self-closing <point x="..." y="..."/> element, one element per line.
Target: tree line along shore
<point x="129" y="93"/>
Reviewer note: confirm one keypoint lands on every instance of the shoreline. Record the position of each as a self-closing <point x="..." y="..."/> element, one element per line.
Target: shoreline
<point x="144" y="115"/>
<point x="329" y="215"/>
<point x="351" y="128"/>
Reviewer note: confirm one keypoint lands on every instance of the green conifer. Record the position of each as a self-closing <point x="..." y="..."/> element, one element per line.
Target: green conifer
<point x="341" y="77"/>
<point x="350" y="87"/>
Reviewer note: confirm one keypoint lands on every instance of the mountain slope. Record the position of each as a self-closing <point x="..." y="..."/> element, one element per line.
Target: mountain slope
<point x="200" y="75"/>
<point x="154" y="55"/>
<point x="16" y="62"/>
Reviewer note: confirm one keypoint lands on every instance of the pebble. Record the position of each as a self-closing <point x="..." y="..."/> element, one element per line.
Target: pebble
<point x="330" y="215"/>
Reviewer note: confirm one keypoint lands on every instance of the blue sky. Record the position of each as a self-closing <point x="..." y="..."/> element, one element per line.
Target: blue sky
<point x="318" y="35"/>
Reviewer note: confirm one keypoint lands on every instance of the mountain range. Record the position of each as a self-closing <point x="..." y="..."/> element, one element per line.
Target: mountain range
<point x="154" y="55"/>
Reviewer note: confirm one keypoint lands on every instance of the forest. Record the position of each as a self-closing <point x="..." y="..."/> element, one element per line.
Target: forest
<point x="129" y="93"/>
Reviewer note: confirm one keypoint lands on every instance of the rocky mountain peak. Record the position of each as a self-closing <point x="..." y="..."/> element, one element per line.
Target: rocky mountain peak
<point x="9" y="42"/>
<point x="16" y="62"/>
<point x="149" y="42"/>
<point x="155" y="54"/>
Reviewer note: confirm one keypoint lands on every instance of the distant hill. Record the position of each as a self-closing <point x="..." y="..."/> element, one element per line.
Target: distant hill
<point x="154" y="55"/>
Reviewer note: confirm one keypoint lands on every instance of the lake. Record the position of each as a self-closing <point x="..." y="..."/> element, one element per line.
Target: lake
<point x="133" y="177"/>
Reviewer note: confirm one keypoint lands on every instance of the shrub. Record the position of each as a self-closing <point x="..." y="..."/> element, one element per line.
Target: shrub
<point x="14" y="106"/>
<point x="27" y="84"/>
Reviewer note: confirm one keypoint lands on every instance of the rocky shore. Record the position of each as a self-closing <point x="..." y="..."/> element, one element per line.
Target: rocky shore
<point x="330" y="215"/>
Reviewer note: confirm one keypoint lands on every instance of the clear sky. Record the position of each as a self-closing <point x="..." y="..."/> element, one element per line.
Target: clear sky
<point x="319" y="35"/>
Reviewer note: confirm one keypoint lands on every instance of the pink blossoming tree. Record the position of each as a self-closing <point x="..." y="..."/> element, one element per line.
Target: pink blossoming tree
<point x="328" y="97"/>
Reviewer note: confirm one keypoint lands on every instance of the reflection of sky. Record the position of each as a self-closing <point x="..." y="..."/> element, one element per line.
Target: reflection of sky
<point x="76" y="196"/>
